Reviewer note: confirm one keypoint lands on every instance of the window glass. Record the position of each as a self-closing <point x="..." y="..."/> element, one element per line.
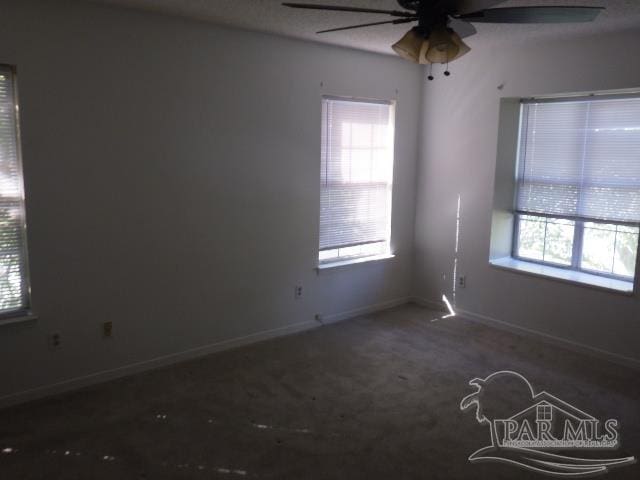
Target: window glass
<point x="624" y="261"/>
<point x="602" y="248"/>
<point x="598" y="247"/>
<point x="609" y="248"/>
<point x="531" y="237"/>
<point x="546" y="239"/>
<point x="558" y="244"/>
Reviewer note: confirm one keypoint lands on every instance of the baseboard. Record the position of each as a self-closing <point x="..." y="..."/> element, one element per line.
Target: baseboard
<point x="337" y="317"/>
<point x="545" y="337"/>
<point x="431" y="305"/>
<point x="165" y="360"/>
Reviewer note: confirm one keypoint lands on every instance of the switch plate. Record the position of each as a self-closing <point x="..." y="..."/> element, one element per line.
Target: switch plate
<point x="107" y="329"/>
<point x="55" y="340"/>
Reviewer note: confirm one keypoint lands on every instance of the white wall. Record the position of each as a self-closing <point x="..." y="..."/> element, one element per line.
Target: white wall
<point x="458" y="156"/>
<point x="172" y="178"/>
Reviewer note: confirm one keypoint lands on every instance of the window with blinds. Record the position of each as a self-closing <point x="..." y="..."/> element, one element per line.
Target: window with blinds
<point x="356" y="178"/>
<point x="14" y="287"/>
<point x="578" y="184"/>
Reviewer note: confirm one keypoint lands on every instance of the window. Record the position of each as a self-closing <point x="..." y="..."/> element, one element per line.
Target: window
<point x="14" y="287"/>
<point x="356" y="178"/>
<point x="578" y="188"/>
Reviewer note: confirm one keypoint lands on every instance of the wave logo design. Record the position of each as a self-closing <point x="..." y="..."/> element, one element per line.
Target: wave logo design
<point x="541" y="422"/>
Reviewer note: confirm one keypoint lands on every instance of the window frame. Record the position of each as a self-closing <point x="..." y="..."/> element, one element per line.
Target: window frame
<point x="576" y="246"/>
<point x="25" y="311"/>
<point x="386" y="249"/>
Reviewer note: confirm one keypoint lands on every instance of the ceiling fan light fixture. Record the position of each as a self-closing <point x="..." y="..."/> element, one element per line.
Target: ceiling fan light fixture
<point x="442" y="47"/>
<point x="409" y="46"/>
<point x="424" y="49"/>
<point x="463" y="48"/>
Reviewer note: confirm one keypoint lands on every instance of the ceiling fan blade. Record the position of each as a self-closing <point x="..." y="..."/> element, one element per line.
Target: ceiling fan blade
<point x="533" y="15"/>
<point x="470" y="6"/>
<point x="400" y="20"/>
<point x="309" y="6"/>
<point x="462" y="27"/>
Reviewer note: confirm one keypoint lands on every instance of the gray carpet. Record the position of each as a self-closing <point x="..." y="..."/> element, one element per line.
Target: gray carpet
<point x="376" y="397"/>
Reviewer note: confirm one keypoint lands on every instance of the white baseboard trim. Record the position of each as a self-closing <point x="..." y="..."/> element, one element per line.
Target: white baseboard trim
<point x="545" y="337"/>
<point x="165" y="360"/>
<point x="431" y="305"/>
<point x="138" y="367"/>
<point x="337" y="317"/>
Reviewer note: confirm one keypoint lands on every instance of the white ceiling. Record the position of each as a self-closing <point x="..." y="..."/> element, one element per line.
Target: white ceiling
<point x="270" y="16"/>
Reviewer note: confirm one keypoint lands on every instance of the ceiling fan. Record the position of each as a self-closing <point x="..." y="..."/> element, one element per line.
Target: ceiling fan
<point x="442" y="24"/>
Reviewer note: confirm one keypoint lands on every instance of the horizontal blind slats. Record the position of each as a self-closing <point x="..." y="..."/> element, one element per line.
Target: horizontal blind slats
<point x="581" y="159"/>
<point x="356" y="172"/>
<point x="13" y="289"/>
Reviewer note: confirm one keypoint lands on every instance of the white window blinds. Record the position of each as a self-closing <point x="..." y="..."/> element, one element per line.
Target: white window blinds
<point x="357" y="172"/>
<point x="14" y="292"/>
<point x="581" y="159"/>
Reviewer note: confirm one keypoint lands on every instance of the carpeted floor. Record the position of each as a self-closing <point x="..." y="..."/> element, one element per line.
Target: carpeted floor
<point x="376" y="397"/>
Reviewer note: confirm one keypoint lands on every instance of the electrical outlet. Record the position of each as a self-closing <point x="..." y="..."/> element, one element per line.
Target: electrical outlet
<point x="462" y="281"/>
<point x="55" y="340"/>
<point x="298" y="292"/>
<point x="107" y="329"/>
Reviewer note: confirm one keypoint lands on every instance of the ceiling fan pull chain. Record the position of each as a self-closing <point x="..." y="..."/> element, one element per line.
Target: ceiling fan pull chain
<point x="447" y="72"/>
<point x="430" y="77"/>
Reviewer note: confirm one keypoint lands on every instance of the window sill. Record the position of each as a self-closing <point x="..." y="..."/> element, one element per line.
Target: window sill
<point x="355" y="261"/>
<point x="20" y="317"/>
<point x="564" y="275"/>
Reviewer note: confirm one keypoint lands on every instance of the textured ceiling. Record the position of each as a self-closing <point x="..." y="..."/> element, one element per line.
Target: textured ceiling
<point x="270" y="16"/>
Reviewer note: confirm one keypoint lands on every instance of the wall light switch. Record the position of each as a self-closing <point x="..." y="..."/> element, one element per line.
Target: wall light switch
<point x="107" y="329"/>
<point x="54" y="340"/>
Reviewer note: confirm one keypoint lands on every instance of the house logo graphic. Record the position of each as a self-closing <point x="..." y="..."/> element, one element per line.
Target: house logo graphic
<point x="539" y="431"/>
